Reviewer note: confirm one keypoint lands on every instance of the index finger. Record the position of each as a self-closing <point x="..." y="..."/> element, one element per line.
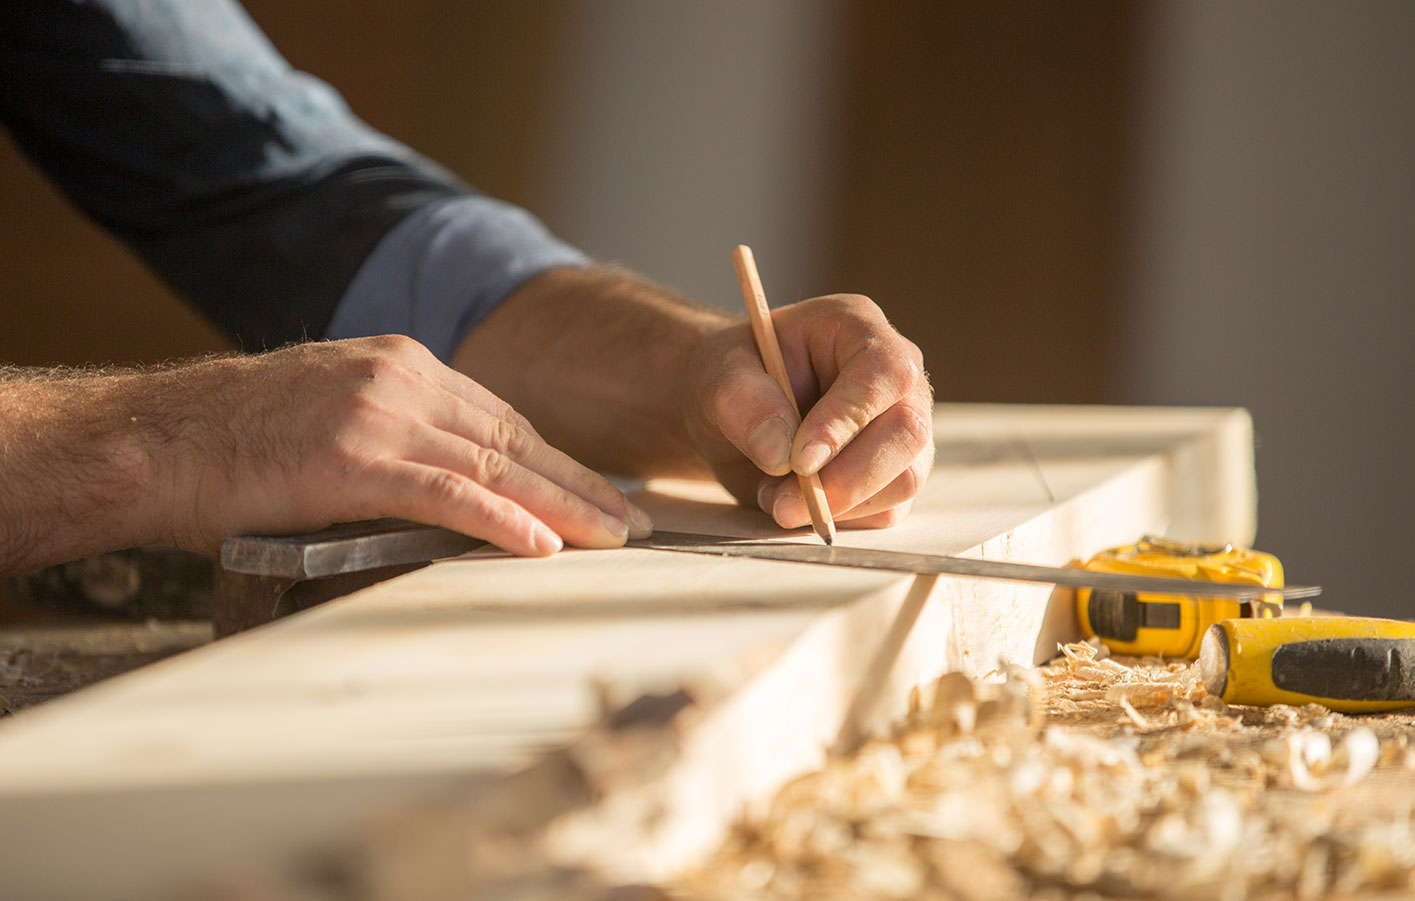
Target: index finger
<point x="875" y="377"/>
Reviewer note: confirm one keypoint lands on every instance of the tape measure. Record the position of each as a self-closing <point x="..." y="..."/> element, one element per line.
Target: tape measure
<point x="1248" y="652"/>
<point x="1140" y="624"/>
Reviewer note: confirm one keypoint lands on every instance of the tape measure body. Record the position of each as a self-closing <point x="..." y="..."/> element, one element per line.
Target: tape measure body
<point x="1353" y="664"/>
<point x="1141" y="624"/>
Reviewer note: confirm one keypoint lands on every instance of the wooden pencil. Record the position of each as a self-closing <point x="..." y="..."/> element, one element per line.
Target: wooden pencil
<point x="765" y="333"/>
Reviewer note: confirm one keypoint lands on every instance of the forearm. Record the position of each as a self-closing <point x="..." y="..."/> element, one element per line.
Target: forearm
<point x="597" y="360"/>
<point x="80" y="465"/>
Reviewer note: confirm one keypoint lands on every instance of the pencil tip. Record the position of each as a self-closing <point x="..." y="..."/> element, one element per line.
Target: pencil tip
<point x="827" y="539"/>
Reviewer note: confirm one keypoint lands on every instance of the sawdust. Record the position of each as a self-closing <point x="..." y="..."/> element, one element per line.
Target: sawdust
<point x="1089" y="777"/>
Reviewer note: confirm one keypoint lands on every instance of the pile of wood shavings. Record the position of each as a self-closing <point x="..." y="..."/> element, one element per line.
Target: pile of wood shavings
<point x="1091" y="776"/>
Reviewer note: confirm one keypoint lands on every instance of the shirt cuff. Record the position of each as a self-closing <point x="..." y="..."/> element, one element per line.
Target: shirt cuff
<point x="444" y="268"/>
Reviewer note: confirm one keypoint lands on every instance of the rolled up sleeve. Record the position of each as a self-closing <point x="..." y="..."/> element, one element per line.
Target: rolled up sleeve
<point x="247" y="185"/>
<point x="444" y="268"/>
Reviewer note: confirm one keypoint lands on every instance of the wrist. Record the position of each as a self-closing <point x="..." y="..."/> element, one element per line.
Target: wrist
<point x="183" y="420"/>
<point x="598" y="360"/>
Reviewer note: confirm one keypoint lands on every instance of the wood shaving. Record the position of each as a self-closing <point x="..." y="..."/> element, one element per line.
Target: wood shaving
<point x="1092" y="776"/>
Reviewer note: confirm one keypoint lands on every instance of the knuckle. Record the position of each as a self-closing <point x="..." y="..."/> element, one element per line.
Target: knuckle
<point x="910" y="361"/>
<point x="387" y="357"/>
<point x="917" y="427"/>
<point x="374" y="368"/>
<point x="916" y="354"/>
<point x="916" y="476"/>
<point x="521" y="444"/>
<point x="488" y="466"/>
<point x="509" y="439"/>
<point x="495" y="519"/>
<point x="443" y="487"/>
<point x="522" y="423"/>
<point x="857" y="417"/>
<point x="897" y="362"/>
<point x="398" y="345"/>
<point x="908" y="483"/>
<point x="853" y="304"/>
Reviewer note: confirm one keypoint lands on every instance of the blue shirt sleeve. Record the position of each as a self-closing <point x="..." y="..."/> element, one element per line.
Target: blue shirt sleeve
<point x="247" y="185"/>
<point x="444" y="268"/>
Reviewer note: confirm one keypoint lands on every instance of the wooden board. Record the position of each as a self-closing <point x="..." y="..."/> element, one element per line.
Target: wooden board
<point x="242" y="755"/>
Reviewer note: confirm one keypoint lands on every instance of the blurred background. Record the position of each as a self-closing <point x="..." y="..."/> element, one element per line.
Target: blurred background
<point x="1170" y="202"/>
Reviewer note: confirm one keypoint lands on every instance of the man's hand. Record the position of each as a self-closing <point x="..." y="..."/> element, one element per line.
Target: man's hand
<point x="284" y="442"/>
<point x="867" y="430"/>
<point x="629" y="378"/>
<point x="334" y="431"/>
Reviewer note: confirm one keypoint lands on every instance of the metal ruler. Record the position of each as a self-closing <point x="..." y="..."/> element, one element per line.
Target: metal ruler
<point x="353" y="547"/>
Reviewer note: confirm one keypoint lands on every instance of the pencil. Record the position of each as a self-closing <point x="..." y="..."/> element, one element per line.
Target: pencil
<point x="765" y="333"/>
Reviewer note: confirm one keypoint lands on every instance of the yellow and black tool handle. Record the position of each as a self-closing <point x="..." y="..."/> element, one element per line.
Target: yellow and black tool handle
<point x="1348" y="663"/>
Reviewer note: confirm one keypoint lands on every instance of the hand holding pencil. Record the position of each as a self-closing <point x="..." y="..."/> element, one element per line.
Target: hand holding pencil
<point x="859" y="446"/>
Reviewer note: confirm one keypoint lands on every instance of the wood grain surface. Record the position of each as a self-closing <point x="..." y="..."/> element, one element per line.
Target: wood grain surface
<point x="244" y="755"/>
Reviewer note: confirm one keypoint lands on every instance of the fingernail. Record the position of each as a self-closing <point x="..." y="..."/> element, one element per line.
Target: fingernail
<point x="790" y="512"/>
<point x="812" y="458"/>
<point x="640" y="523"/>
<point x="764" y="494"/>
<point x="546" y="542"/>
<point x="770" y="445"/>
<point x="614" y="525"/>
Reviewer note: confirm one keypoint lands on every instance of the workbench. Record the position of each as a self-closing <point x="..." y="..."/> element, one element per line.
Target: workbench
<point x="623" y="706"/>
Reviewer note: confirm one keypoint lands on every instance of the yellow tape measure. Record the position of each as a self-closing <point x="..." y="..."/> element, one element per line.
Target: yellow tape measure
<point x="1141" y="624"/>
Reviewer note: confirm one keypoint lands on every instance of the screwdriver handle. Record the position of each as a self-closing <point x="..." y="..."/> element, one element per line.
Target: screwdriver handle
<point x="1353" y="664"/>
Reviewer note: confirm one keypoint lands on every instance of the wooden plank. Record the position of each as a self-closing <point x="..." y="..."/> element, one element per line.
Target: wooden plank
<point x="449" y="679"/>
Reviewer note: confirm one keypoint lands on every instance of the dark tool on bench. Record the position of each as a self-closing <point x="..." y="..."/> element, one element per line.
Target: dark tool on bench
<point x="265" y="577"/>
